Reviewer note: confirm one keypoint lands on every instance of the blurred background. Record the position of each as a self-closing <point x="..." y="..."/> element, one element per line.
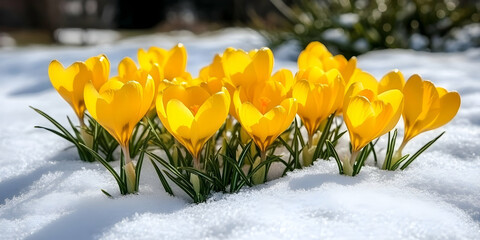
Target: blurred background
<point x="350" y="27"/>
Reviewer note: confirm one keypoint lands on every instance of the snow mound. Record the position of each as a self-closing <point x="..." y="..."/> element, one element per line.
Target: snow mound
<point x="47" y="193"/>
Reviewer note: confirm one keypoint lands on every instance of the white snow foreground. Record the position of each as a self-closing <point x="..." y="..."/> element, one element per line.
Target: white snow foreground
<point x="47" y="193"/>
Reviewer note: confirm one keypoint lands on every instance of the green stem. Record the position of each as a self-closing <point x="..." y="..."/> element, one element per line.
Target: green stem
<point x="353" y="157"/>
<point x="129" y="169"/>
<point x="310" y="140"/>
<point x="263" y="156"/>
<point x="398" y="154"/>
<point x="196" y="163"/>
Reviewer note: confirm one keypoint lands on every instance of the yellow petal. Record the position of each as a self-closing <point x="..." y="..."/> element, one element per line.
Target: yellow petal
<point x="100" y="69"/>
<point x="148" y="94"/>
<point x="176" y="62"/>
<point x="91" y="96"/>
<point x="358" y="110"/>
<point x="120" y="115"/>
<point x="211" y="116"/>
<point x="413" y="92"/>
<point x="127" y="70"/>
<point x="300" y="92"/>
<point x="395" y="99"/>
<point x="449" y="105"/>
<point x="180" y="119"/>
<point x="248" y="116"/>
<point x="368" y="81"/>
<point x="261" y="66"/>
<point x="392" y="80"/>
<point x="349" y="69"/>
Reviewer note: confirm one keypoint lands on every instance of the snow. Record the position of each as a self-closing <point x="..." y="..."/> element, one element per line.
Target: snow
<point x="47" y="193"/>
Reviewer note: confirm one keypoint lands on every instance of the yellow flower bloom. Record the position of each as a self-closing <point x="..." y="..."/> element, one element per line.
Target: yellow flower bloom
<point x="285" y="78"/>
<point x="128" y="71"/>
<point x="69" y="83"/>
<point x="192" y="115"/>
<point x="316" y="54"/>
<point x="236" y="67"/>
<point x="172" y="62"/>
<point x="244" y="69"/>
<point x="319" y="94"/>
<point x="118" y="107"/>
<point x="215" y="69"/>
<point x="392" y="80"/>
<point x="368" y="116"/>
<point x="99" y="66"/>
<point x="426" y="107"/>
<point x="264" y="112"/>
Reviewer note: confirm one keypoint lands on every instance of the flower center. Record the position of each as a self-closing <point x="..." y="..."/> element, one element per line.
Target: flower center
<point x="194" y="109"/>
<point x="264" y="102"/>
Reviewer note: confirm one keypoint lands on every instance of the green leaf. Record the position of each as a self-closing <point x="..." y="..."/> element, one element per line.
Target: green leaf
<point x="399" y="161"/>
<point x="164" y="181"/>
<point x="237" y="168"/>
<point x="420" y="151"/>
<point x="335" y="156"/>
<point x="359" y="162"/>
<point x="323" y="137"/>
<point x="56" y="132"/>
<point x="233" y="186"/>
<point x="58" y="125"/>
<point x="390" y="149"/>
<point x="138" y="167"/>
<point x="106" y="193"/>
<point x="182" y="184"/>
<point x="122" y="185"/>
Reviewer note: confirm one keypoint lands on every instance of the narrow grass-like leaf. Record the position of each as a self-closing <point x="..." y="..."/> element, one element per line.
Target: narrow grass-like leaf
<point x="335" y="156"/>
<point x="323" y="137"/>
<point x="203" y="176"/>
<point x="390" y="148"/>
<point x="240" y="161"/>
<point x="359" y="162"/>
<point x="420" y="151"/>
<point x="374" y="153"/>
<point x="399" y="161"/>
<point x="164" y="181"/>
<point x="121" y="185"/>
<point x="239" y="172"/>
<point x="186" y="187"/>
<point x="138" y="167"/>
<point x="106" y="193"/>
<point x="58" y="125"/>
<point x="168" y="166"/>
<point x="56" y="132"/>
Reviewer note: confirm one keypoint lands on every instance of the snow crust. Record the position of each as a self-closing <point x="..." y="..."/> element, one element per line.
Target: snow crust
<point x="47" y="193"/>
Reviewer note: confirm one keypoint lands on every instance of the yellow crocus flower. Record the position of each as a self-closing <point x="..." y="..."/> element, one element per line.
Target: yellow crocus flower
<point x="244" y="69"/>
<point x="128" y="71"/>
<point x="171" y="62"/>
<point x="426" y="107"/>
<point x="192" y="115"/>
<point x="69" y="83"/>
<point x="236" y="67"/>
<point x="118" y="107"/>
<point x="285" y="78"/>
<point x="316" y="54"/>
<point x="264" y="112"/>
<point x="368" y="116"/>
<point x="99" y="66"/>
<point x="392" y="80"/>
<point x="318" y="94"/>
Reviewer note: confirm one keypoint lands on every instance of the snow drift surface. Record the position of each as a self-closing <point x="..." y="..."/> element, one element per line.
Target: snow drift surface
<point x="47" y="193"/>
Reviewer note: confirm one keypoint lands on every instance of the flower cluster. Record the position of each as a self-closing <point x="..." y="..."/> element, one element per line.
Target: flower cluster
<point x="223" y="129"/>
